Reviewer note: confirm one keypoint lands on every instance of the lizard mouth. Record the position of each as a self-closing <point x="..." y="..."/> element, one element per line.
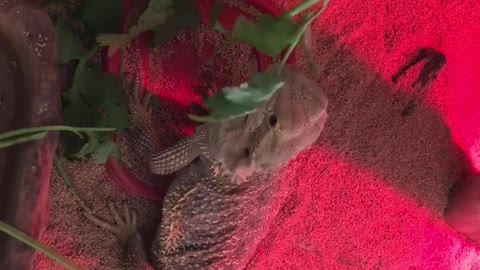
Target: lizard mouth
<point x="245" y="172"/>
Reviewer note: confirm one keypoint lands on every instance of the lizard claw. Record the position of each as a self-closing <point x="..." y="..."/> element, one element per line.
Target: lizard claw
<point x="220" y="170"/>
<point x="124" y="229"/>
<point x="217" y="170"/>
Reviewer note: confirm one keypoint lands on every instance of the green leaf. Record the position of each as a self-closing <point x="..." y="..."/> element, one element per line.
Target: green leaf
<point x="224" y="109"/>
<point x="215" y="13"/>
<point x="105" y="150"/>
<point x="99" y="146"/>
<point x="114" y="42"/>
<point x="103" y="16"/>
<point x="269" y="36"/>
<point x="69" y="46"/>
<point x="184" y="15"/>
<point x="165" y="17"/>
<point x="237" y="101"/>
<point x="154" y="15"/>
<point x="300" y="8"/>
<point x="116" y="116"/>
<point x="96" y="99"/>
<point x="102" y="88"/>
<point x="89" y="147"/>
<point x="259" y="89"/>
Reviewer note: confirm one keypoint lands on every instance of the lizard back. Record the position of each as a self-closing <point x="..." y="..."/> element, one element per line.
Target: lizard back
<point x="222" y="223"/>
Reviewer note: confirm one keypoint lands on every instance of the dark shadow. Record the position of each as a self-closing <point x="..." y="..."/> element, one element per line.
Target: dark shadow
<point x="368" y="125"/>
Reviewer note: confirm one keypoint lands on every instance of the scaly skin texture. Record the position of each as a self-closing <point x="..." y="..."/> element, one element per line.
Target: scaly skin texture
<point x="220" y="204"/>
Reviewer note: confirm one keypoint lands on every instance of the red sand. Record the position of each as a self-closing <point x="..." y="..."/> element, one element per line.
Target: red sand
<point x="371" y="193"/>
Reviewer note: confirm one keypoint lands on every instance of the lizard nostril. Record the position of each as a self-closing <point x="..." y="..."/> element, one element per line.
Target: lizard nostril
<point x="246" y="152"/>
<point x="272" y="120"/>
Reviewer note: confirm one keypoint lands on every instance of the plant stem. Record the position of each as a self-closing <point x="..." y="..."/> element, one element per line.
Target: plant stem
<point x="298" y="9"/>
<point x="69" y="184"/>
<point x="24" y="139"/>
<point x="24" y="238"/>
<point x="300" y="32"/>
<point x="121" y="67"/>
<point x="75" y="130"/>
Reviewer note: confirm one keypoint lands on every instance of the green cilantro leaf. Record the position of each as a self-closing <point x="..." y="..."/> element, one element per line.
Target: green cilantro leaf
<point x="259" y="89"/>
<point x="154" y="15"/>
<point x="215" y="13"/>
<point x="269" y="36"/>
<point x="106" y="150"/>
<point x="95" y="99"/>
<point x="237" y="101"/>
<point x="223" y="109"/>
<point x="99" y="146"/>
<point x="69" y="46"/>
<point x="98" y="93"/>
<point x="89" y="147"/>
<point x="164" y="17"/>
<point x="116" y="116"/>
<point x="103" y="16"/>
<point x="114" y="42"/>
<point x="185" y="15"/>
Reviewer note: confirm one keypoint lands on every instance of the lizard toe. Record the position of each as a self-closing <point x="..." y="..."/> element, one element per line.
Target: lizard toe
<point x="124" y="228"/>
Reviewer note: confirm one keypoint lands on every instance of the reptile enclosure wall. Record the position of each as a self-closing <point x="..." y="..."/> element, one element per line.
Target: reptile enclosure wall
<point x="28" y="97"/>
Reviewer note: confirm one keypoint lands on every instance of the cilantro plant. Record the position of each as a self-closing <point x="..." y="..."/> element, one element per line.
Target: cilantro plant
<point x="95" y="98"/>
<point x="164" y="17"/>
<point x="271" y="36"/>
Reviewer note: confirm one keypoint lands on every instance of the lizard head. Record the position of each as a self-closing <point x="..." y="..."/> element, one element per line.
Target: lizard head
<point x="289" y="122"/>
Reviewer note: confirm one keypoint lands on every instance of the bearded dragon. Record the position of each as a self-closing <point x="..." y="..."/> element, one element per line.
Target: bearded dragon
<point x="218" y="203"/>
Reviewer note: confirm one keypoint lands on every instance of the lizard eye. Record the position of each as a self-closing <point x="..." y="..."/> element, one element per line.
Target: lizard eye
<point x="272" y="120"/>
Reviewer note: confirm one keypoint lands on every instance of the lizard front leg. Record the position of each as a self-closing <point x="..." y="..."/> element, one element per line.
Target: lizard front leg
<point x="141" y="132"/>
<point x="125" y="229"/>
<point x="146" y="140"/>
<point x="176" y="157"/>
